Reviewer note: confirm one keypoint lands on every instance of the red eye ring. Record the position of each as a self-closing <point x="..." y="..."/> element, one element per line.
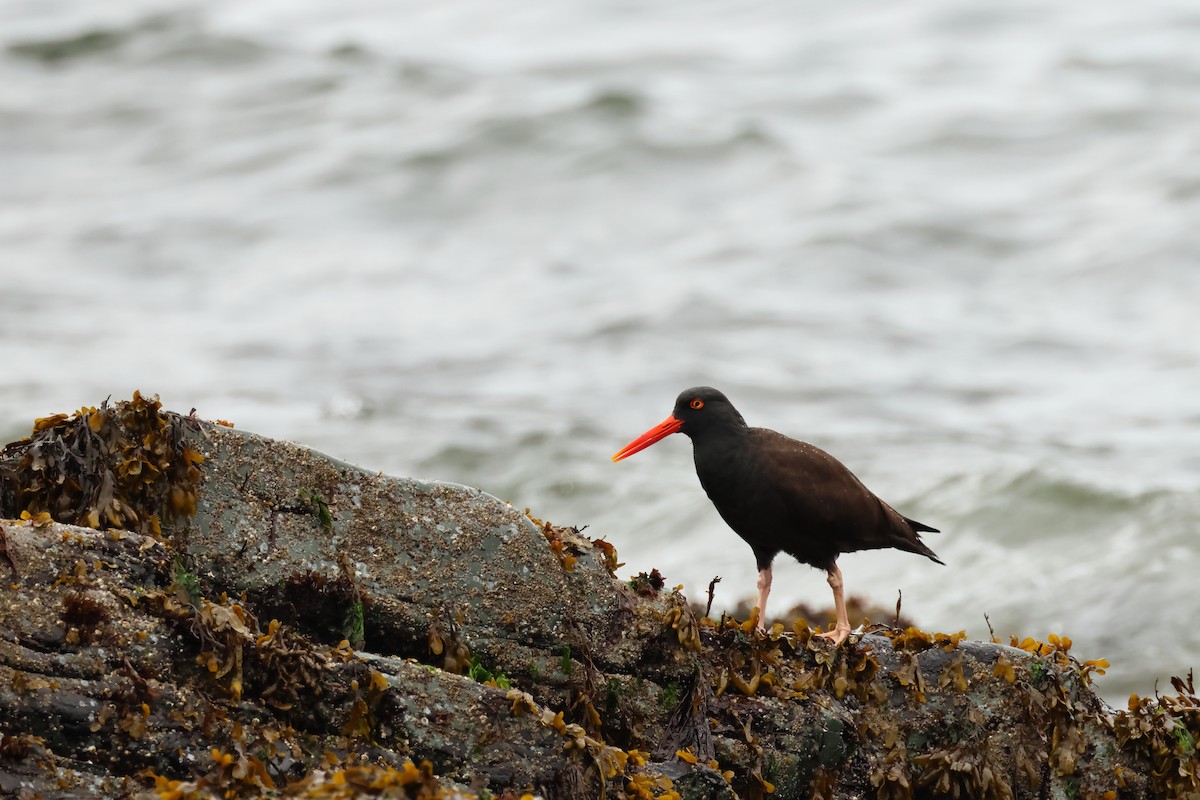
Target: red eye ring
<point x="697" y="404"/>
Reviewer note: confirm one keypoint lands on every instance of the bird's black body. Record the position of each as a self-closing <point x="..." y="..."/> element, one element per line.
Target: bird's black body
<point x="783" y="496"/>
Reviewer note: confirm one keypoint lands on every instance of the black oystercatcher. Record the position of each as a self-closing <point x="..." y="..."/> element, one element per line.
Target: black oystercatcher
<point x="783" y="496"/>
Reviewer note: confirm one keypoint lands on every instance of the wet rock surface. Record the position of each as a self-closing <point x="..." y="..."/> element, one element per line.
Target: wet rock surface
<point x="317" y="629"/>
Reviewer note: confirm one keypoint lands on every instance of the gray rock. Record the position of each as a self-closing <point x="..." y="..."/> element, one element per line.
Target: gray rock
<point x="418" y="553"/>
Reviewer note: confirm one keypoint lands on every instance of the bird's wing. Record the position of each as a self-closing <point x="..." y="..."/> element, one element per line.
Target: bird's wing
<point x="826" y="499"/>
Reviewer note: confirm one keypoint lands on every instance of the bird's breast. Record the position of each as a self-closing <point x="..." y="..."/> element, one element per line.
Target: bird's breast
<point x="737" y="486"/>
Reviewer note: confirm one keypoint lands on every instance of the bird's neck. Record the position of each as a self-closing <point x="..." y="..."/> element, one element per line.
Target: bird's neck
<point x="715" y="440"/>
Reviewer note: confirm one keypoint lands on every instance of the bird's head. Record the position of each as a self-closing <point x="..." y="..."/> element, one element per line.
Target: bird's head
<point x="697" y="411"/>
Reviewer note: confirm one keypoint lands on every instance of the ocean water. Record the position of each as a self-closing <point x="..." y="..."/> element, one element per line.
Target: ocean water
<point x="953" y="245"/>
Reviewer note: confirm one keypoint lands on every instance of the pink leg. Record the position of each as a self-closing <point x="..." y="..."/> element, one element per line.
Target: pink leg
<point x="764" y="589"/>
<point x="842" y="629"/>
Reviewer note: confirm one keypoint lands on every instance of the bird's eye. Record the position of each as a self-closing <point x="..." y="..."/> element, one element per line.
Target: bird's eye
<point x="697" y="404"/>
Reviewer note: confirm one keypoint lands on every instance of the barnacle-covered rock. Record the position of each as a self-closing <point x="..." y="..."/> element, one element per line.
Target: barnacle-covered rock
<point x="187" y="610"/>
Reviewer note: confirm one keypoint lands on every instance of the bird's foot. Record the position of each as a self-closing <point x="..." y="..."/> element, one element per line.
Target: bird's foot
<point x="837" y="635"/>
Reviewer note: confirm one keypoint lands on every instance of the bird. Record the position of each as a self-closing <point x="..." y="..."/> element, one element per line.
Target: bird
<point x="783" y="496"/>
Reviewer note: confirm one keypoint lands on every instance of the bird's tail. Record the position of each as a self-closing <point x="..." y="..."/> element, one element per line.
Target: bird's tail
<point x="919" y="546"/>
<point x="920" y="526"/>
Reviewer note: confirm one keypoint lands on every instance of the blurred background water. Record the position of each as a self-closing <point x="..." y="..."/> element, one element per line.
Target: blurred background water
<point x="953" y="244"/>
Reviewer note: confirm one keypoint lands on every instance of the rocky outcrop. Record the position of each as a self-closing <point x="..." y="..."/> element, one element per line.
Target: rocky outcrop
<point x="263" y="618"/>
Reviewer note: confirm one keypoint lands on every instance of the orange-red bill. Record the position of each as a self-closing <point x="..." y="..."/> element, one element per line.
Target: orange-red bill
<point x="660" y="431"/>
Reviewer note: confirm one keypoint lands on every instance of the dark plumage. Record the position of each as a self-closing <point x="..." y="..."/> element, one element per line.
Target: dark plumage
<point x="781" y="495"/>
